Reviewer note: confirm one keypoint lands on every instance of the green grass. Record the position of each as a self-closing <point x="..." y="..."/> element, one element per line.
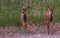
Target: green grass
<point x="10" y="11"/>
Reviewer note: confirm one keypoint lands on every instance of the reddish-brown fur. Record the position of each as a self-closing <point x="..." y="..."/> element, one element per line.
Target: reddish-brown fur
<point x="48" y="18"/>
<point x="23" y="18"/>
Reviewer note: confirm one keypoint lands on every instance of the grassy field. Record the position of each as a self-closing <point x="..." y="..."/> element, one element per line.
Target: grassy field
<point x="10" y="11"/>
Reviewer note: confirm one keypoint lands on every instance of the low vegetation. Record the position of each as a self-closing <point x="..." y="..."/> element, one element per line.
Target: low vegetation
<point x="10" y="10"/>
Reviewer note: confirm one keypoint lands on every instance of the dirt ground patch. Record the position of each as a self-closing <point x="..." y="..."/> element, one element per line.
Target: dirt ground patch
<point x="19" y="32"/>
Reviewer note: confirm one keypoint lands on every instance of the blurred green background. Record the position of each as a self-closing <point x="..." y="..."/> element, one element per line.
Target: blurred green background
<point x="10" y="10"/>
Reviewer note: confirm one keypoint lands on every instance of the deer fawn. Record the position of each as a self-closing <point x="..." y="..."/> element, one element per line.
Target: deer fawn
<point x="48" y="17"/>
<point x="23" y="18"/>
